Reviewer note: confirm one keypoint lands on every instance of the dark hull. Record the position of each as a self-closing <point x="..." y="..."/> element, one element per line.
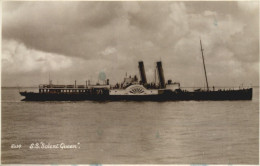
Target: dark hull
<point x="245" y="94"/>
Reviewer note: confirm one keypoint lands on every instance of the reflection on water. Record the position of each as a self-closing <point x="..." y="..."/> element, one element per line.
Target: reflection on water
<point x="216" y="132"/>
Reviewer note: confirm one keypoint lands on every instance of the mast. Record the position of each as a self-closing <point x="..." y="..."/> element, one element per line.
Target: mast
<point x="155" y="76"/>
<point x="204" y="66"/>
<point x="50" y="81"/>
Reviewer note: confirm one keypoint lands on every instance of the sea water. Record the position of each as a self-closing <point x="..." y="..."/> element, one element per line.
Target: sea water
<point x="87" y="132"/>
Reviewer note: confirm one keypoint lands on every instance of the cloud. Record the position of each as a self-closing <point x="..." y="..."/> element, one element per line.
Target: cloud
<point x="19" y="59"/>
<point x="77" y="40"/>
<point x="59" y="27"/>
<point x="248" y="6"/>
<point x="108" y="51"/>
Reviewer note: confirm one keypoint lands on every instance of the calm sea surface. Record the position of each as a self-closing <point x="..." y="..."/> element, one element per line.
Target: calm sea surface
<point x="184" y="132"/>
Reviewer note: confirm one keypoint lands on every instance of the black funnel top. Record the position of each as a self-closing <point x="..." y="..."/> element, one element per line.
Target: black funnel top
<point x="142" y="72"/>
<point x="161" y="75"/>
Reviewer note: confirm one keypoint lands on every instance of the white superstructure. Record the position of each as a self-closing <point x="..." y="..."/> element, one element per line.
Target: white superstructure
<point x="134" y="90"/>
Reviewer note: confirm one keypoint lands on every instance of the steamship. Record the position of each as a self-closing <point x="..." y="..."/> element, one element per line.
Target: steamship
<point x="131" y="89"/>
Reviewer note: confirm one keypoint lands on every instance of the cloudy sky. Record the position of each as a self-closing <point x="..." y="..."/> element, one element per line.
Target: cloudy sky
<point x="78" y="40"/>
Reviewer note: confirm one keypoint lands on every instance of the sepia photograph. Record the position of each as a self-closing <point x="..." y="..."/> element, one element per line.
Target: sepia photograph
<point x="130" y="82"/>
